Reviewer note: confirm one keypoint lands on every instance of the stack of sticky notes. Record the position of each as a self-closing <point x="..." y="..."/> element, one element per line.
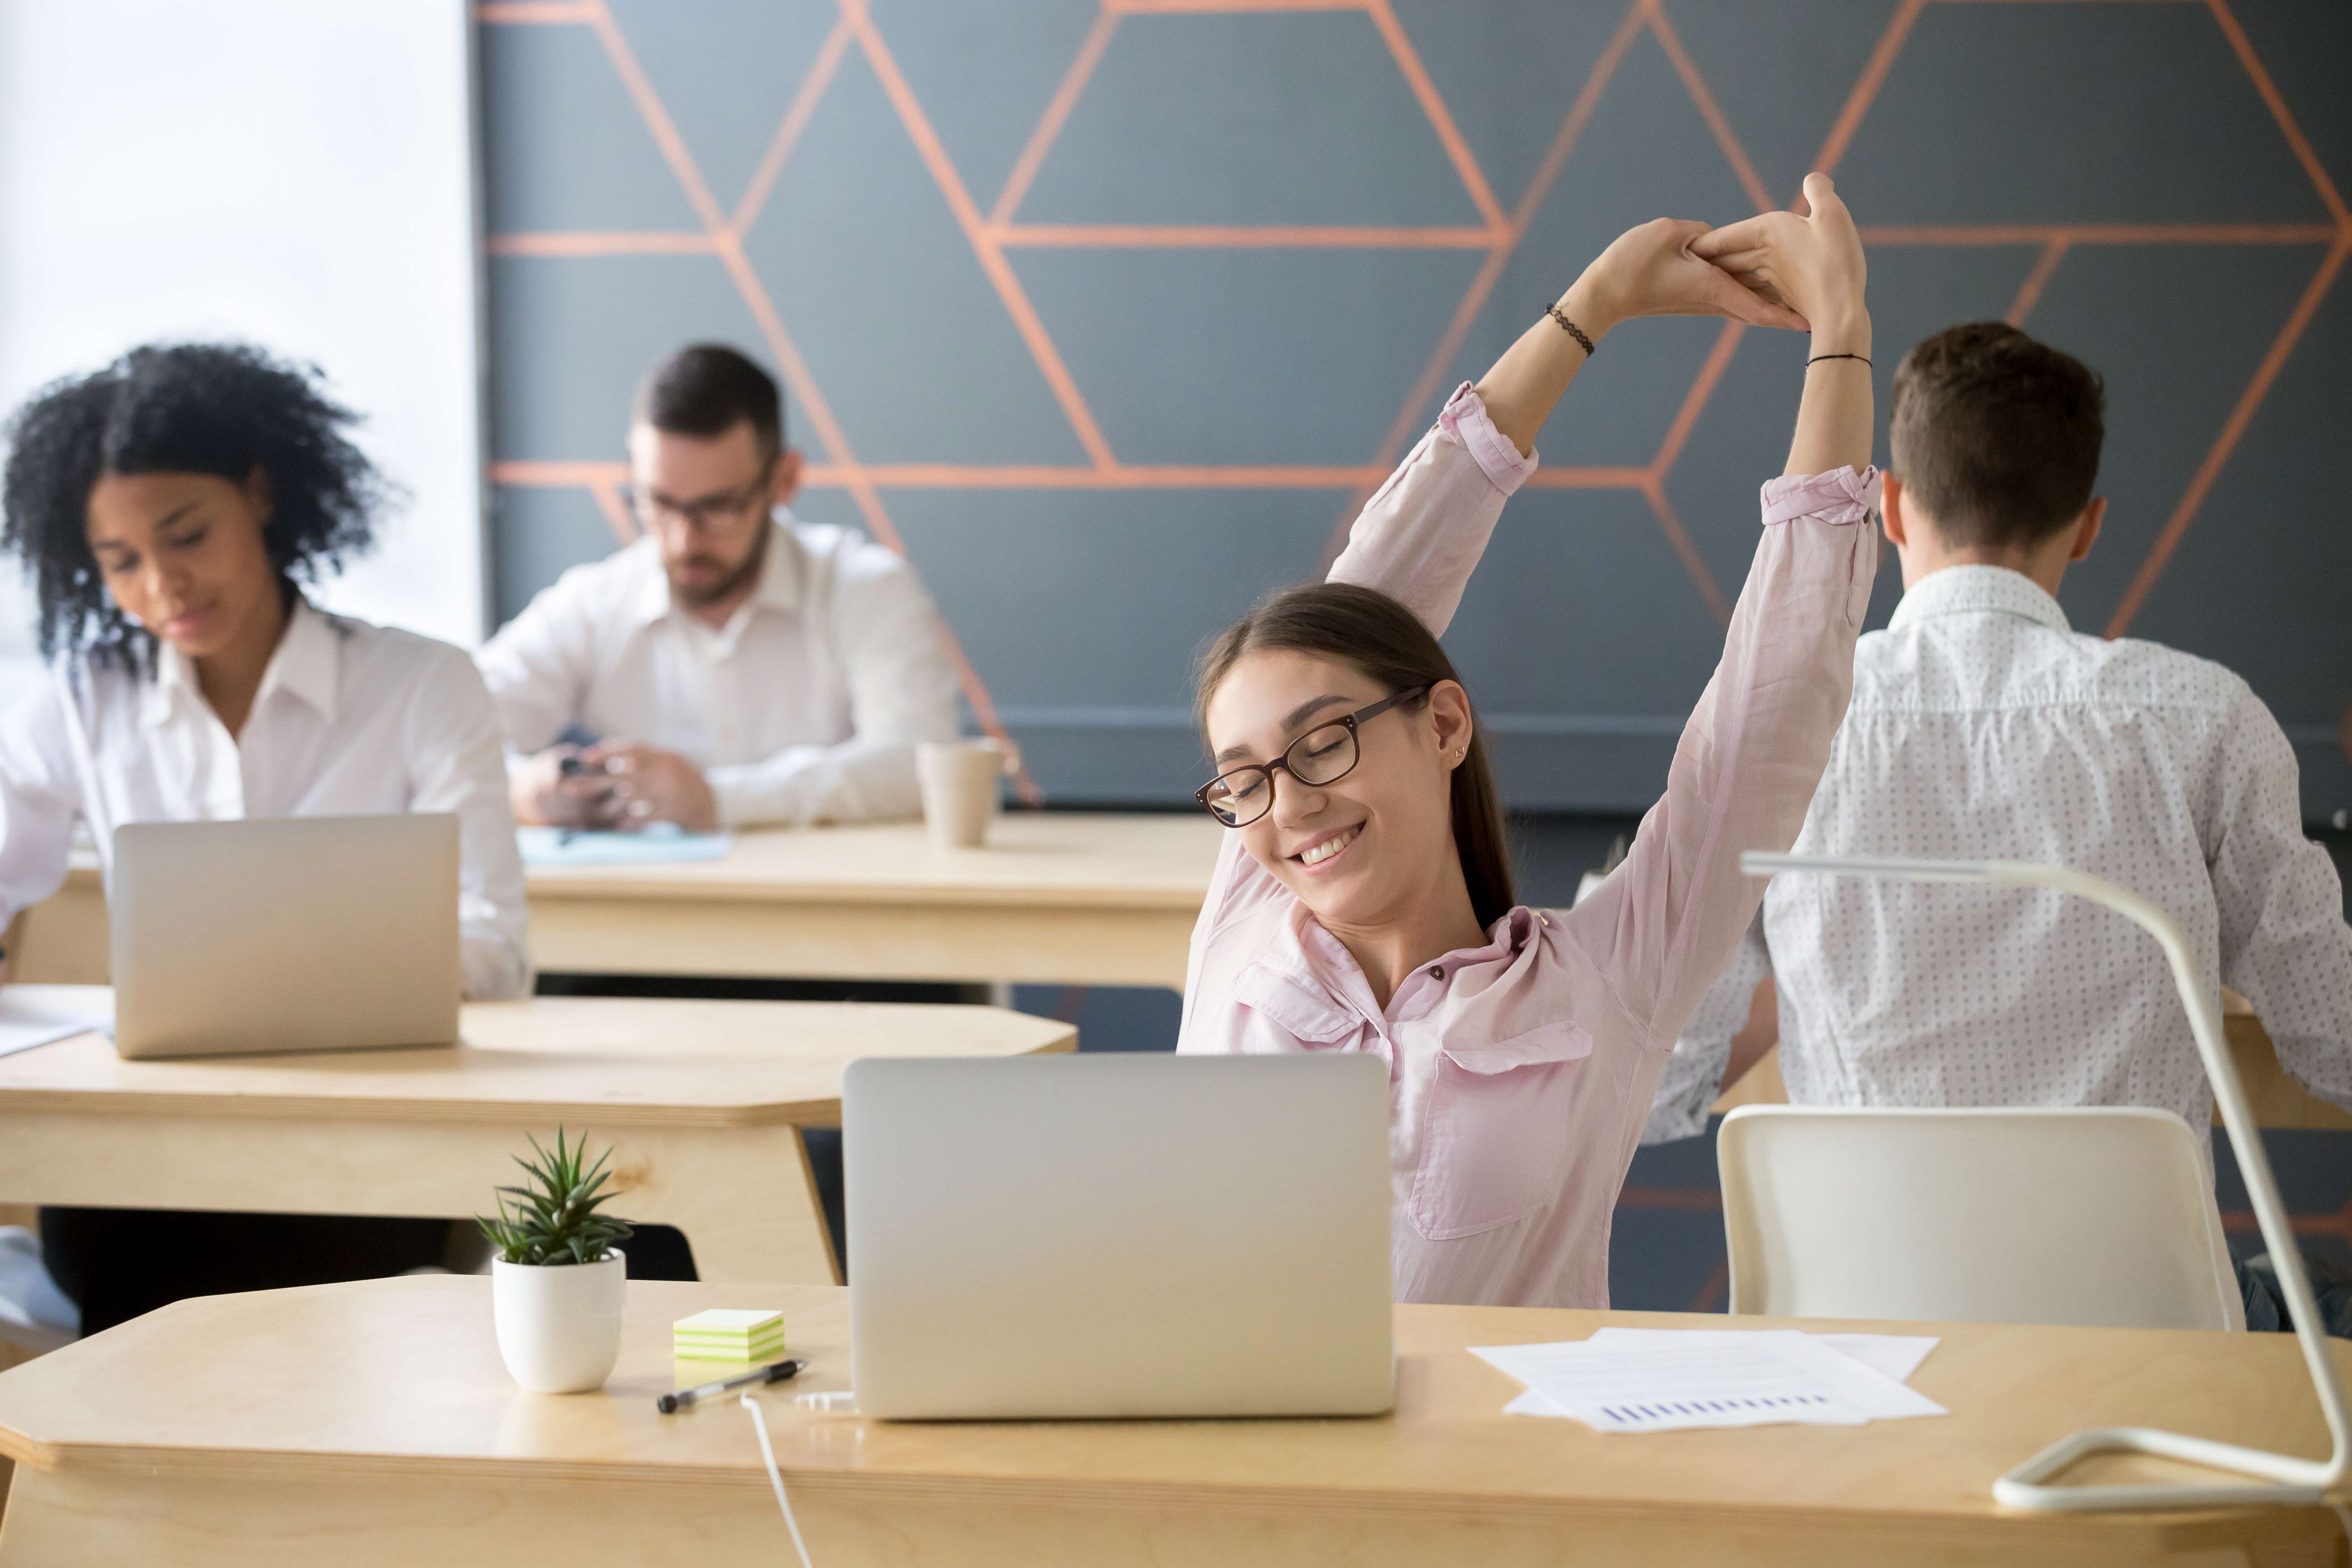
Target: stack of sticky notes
<point x="728" y="1334"/>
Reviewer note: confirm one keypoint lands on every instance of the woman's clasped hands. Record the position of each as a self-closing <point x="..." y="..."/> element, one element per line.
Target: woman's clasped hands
<point x="1775" y="269"/>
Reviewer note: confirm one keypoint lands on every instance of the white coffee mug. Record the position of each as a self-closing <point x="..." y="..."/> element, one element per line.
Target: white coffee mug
<point x="961" y="780"/>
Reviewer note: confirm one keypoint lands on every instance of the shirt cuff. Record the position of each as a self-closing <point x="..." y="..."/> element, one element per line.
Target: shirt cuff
<point x="746" y="805"/>
<point x="1840" y="496"/>
<point x="781" y="792"/>
<point x="1471" y="427"/>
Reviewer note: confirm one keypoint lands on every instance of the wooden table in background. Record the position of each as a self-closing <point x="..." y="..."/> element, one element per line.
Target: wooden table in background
<point x="1056" y="897"/>
<point x="702" y="1102"/>
<point x="372" y="1424"/>
<point x="2277" y="1101"/>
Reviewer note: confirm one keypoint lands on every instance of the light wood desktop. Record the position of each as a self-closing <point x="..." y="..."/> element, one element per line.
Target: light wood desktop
<point x="1055" y="897"/>
<point x="372" y="1424"/>
<point x="702" y="1102"/>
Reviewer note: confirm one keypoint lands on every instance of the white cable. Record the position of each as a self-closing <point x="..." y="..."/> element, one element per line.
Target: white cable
<point x="776" y="1479"/>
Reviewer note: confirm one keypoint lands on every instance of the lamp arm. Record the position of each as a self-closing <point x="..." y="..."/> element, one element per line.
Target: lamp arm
<point x="2245" y="1136"/>
<point x="2292" y="1480"/>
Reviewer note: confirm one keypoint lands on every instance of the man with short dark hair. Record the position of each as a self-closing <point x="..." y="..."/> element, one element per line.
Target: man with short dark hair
<point x="734" y="664"/>
<point x="1983" y="727"/>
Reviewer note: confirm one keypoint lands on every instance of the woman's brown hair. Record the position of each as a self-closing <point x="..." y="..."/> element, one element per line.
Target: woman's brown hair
<point x="1386" y="641"/>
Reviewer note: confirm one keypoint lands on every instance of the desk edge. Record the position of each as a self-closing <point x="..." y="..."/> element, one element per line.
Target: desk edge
<point x="2237" y="1527"/>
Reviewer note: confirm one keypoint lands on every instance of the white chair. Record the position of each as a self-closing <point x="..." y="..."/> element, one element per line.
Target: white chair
<point x="2099" y="1217"/>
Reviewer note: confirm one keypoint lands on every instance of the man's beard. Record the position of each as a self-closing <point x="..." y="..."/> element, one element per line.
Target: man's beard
<point x="695" y="598"/>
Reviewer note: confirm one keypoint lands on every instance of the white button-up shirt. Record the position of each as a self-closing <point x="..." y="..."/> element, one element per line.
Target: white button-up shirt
<point x="1982" y="727"/>
<point x="805" y="707"/>
<point x="351" y="719"/>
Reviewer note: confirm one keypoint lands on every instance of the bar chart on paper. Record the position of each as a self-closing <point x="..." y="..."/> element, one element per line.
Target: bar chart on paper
<point x="1638" y="1380"/>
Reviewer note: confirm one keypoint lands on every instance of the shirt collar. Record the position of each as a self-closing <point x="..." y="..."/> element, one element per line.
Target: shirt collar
<point x="1323" y="955"/>
<point x="1966" y="590"/>
<point x="778" y="587"/>
<point x="307" y="665"/>
<point x="780" y="575"/>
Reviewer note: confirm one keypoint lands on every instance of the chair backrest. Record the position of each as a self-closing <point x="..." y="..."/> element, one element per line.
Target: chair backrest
<point x="2102" y="1215"/>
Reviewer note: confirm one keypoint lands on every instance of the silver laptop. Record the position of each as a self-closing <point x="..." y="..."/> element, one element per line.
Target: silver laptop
<point x="300" y="933"/>
<point x="1119" y="1236"/>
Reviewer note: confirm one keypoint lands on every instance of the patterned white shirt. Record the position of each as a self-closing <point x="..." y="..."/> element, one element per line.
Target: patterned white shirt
<point x="1983" y="727"/>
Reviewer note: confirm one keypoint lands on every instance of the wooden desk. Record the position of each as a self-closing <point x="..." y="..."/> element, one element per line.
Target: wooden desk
<point x="371" y="1424"/>
<point x="1056" y="897"/>
<point x="702" y="1102"/>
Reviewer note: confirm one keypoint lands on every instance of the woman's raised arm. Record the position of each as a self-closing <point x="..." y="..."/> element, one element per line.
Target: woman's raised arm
<point x="1814" y="264"/>
<point x="1662" y="925"/>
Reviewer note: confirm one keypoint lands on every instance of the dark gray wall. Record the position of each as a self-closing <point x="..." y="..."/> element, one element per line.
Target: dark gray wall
<point x="1103" y="449"/>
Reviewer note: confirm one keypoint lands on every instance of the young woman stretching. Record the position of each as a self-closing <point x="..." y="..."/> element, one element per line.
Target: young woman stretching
<point x="1363" y="900"/>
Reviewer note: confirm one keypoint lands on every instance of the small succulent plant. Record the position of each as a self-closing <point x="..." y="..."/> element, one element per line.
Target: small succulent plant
<point x="554" y="1220"/>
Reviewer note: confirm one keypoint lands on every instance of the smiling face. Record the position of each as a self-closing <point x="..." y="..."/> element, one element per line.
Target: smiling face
<point x="182" y="556"/>
<point x="1369" y="847"/>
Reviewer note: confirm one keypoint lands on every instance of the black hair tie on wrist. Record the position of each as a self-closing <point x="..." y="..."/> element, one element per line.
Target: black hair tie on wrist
<point x="1818" y="358"/>
<point x="1571" y="328"/>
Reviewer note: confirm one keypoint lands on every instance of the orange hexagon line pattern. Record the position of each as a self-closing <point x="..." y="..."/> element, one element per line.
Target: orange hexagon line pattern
<point x="997" y="230"/>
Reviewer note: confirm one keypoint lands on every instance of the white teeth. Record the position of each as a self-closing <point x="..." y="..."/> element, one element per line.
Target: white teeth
<point x="1328" y="847"/>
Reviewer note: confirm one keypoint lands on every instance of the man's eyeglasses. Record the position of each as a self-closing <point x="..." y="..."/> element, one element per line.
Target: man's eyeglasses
<point x="1324" y="755"/>
<point x="709" y="515"/>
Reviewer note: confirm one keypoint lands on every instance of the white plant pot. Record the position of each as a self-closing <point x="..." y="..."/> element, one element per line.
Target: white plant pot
<point x="558" y="1324"/>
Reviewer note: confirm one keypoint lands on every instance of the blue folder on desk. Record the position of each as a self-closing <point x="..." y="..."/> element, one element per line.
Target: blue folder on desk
<point x="655" y="847"/>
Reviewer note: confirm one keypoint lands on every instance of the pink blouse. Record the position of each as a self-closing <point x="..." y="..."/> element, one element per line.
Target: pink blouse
<point x="1521" y="1071"/>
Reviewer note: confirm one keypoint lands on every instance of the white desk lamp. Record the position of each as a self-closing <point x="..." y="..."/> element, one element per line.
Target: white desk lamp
<point x="2298" y="1481"/>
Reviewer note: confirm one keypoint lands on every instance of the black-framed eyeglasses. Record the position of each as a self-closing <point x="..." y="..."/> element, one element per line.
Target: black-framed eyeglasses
<point x="1324" y="755"/>
<point x="708" y="515"/>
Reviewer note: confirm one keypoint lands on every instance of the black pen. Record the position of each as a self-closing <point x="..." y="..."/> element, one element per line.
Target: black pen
<point x="671" y="1404"/>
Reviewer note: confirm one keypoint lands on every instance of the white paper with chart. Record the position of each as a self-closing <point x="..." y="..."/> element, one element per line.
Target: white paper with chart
<point x="1662" y="1380"/>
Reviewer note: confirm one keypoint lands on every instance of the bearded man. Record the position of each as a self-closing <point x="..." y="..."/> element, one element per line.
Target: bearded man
<point x="734" y="665"/>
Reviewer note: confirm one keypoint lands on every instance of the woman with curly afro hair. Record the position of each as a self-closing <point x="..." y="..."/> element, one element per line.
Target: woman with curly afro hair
<point x="169" y="509"/>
